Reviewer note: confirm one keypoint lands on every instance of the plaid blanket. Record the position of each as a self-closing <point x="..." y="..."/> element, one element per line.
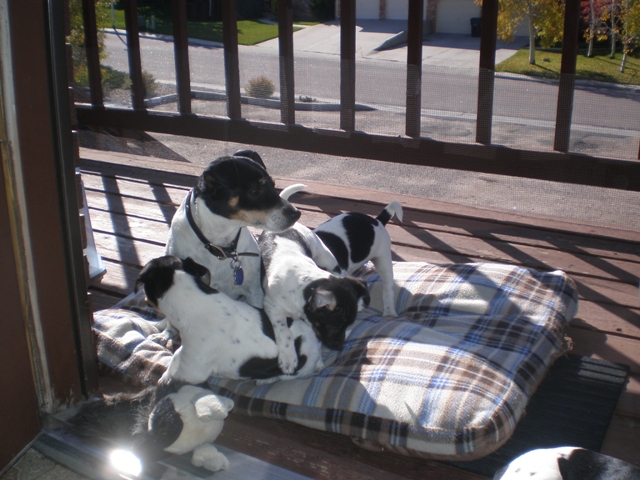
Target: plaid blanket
<point x="448" y="378"/>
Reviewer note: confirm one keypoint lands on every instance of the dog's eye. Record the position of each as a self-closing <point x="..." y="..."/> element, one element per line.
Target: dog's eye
<point x="255" y="191"/>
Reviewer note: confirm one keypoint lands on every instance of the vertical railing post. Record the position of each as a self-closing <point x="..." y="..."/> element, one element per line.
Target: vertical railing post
<point x="287" y="87"/>
<point x="93" y="52"/>
<point x="181" y="54"/>
<point x="231" y="60"/>
<point x="347" y="65"/>
<point x="567" y="76"/>
<point x="133" y="48"/>
<point x="414" y="68"/>
<point x="487" y="68"/>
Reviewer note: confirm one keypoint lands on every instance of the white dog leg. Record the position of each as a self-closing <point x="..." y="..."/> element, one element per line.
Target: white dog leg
<point x="384" y="267"/>
<point x="174" y="364"/>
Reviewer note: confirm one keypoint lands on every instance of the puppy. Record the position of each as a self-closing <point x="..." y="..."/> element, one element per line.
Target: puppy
<point x="159" y="419"/>
<point x="221" y="337"/>
<point x="296" y="287"/>
<point x="210" y="225"/>
<point x="567" y="463"/>
<point x="355" y="238"/>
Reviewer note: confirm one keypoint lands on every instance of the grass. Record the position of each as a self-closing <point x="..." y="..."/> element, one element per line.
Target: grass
<point x="250" y="32"/>
<point x="599" y="67"/>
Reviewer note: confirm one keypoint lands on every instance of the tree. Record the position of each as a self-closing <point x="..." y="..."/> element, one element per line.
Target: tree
<point x="593" y="13"/>
<point x="544" y="19"/>
<point x="630" y="28"/>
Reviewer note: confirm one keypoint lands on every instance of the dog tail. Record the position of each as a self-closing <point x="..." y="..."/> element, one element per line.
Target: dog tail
<point x="394" y="208"/>
<point x="291" y="189"/>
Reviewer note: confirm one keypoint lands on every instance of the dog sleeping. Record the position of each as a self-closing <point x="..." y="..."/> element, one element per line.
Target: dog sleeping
<point x="296" y="287"/>
<point x="221" y="337"/>
<point x="210" y="226"/>
<point x="354" y="239"/>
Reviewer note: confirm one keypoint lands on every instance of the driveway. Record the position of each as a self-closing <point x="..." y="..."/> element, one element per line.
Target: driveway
<point x="385" y="40"/>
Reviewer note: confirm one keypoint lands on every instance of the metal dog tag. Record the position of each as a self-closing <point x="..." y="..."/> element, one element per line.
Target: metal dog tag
<point x="238" y="273"/>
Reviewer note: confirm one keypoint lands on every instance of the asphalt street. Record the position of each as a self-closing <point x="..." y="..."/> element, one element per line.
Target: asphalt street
<point x="526" y="109"/>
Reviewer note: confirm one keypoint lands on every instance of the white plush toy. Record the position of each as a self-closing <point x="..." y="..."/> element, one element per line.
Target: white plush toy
<point x="202" y="414"/>
<point x="157" y="420"/>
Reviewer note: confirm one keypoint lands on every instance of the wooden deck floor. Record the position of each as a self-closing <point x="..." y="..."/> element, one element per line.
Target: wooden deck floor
<point x="132" y="200"/>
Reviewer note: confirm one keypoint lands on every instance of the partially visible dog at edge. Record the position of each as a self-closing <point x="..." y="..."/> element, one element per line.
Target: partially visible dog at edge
<point x="297" y="288"/>
<point x="355" y="238"/>
<point x="221" y="337"/>
<point x="210" y="226"/>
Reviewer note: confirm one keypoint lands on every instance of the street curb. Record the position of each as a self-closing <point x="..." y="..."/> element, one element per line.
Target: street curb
<point x="261" y="102"/>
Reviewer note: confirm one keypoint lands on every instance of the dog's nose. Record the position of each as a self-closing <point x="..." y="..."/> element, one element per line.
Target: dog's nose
<point x="293" y="214"/>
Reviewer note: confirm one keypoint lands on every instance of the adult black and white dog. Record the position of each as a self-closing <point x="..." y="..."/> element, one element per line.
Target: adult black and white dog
<point x="355" y="238"/>
<point x="296" y="287"/>
<point x="567" y="463"/>
<point x="221" y="337"/>
<point x="210" y="226"/>
<point x="169" y="418"/>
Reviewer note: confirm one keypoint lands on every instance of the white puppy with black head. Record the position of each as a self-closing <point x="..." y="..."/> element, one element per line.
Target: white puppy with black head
<point x="221" y="337"/>
<point x="297" y="288"/>
<point x="355" y="238"/>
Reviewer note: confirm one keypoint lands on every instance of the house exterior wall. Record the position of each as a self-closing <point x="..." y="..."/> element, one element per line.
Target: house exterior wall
<point x="454" y="16"/>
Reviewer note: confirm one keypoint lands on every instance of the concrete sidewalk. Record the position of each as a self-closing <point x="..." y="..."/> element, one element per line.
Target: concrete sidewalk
<point x="450" y="50"/>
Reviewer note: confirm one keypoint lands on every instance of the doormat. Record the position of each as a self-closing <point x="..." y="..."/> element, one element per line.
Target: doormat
<point x="573" y="406"/>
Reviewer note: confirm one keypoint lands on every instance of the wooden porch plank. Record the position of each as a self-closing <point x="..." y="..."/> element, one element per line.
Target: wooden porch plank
<point x="610" y="255"/>
<point x="181" y="54"/>
<point x="231" y="60"/>
<point x="287" y="84"/>
<point x="93" y="52"/>
<point x="133" y="49"/>
<point x="324" y="455"/>
<point x="347" y="66"/>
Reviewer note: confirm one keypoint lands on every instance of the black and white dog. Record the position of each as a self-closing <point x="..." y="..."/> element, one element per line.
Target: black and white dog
<point x="210" y="226"/>
<point x="355" y="238"/>
<point x="567" y="463"/>
<point x="221" y="337"/>
<point x="175" y="419"/>
<point x="296" y="287"/>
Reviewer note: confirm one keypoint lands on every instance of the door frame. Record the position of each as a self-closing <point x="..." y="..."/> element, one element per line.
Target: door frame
<point x="47" y="287"/>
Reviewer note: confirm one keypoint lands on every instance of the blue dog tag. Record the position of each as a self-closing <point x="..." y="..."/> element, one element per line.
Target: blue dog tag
<point x="238" y="275"/>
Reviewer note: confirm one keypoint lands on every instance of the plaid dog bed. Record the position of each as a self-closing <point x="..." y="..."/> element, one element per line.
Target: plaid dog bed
<point x="448" y="378"/>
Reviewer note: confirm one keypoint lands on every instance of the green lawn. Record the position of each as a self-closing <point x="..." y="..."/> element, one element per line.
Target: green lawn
<point x="599" y="68"/>
<point x="250" y="32"/>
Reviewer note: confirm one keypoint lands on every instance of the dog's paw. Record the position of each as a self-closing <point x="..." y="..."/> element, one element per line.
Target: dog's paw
<point x="287" y="359"/>
<point x="165" y="379"/>
<point x="207" y="456"/>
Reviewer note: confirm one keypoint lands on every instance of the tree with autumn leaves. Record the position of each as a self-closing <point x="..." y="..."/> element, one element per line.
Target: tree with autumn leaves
<point x="615" y="20"/>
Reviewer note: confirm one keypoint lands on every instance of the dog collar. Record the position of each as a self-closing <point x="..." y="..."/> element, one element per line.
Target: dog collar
<point x="221" y="253"/>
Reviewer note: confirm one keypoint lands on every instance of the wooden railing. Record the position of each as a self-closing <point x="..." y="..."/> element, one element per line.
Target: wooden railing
<point x="411" y="148"/>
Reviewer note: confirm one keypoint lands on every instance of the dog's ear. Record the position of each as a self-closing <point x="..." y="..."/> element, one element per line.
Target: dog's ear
<point x="252" y="155"/>
<point x="195" y="269"/>
<point x="323" y="298"/>
<point x="360" y="286"/>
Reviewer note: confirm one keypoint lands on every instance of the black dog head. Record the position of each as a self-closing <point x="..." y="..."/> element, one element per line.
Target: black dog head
<point x="239" y="188"/>
<point x="331" y="305"/>
<point x="157" y="276"/>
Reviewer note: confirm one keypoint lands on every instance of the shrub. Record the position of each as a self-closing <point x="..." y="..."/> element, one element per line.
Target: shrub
<point x="260" y="87"/>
